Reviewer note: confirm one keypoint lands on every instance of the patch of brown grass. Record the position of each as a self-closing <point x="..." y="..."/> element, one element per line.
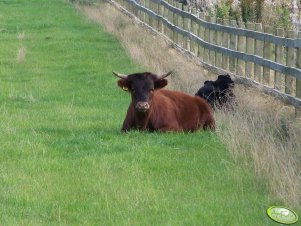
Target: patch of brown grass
<point x="21" y="53"/>
<point x="259" y="132"/>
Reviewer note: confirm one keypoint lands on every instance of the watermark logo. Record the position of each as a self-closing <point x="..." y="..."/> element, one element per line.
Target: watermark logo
<point x="282" y="215"/>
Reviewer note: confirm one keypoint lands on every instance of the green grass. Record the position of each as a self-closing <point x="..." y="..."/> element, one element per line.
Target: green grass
<point x="63" y="160"/>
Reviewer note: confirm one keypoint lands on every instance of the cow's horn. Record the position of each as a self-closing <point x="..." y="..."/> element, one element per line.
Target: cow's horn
<point x="120" y="75"/>
<point x="165" y="75"/>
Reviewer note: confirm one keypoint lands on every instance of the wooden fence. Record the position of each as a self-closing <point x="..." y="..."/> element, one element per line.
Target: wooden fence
<point x="250" y="51"/>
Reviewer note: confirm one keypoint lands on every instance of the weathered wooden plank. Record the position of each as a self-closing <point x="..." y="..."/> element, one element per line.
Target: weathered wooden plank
<point x="279" y="77"/>
<point x="250" y="50"/>
<point x="134" y="10"/>
<point x="166" y="30"/>
<point x="147" y="17"/>
<point x="157" y="11"/>
<point x="180" y="24"/>
<point x="259" y="52"/>
<point x="170" y="18"/>
<point x="219" y="39"/>
<point x="241" y="48"/>
<point x="176" y="35"/>
<point x="212" y="40"/>
<point x="225" y="43"/>
<point x="298" y="82"/>
<point x="139" y="12"/>
<point x="186" y="27"/>
<point x="207" y="39"/>
<point x="290" y="61"/>
<point x="233" y="45"/>
<point x="201" y="35"/>
<point x="153" y="22"/>
<point x="194" y="30"/>
<point x="124" y="3"/>
<point x="161" y="13"/>
<point x="267" y="54"/>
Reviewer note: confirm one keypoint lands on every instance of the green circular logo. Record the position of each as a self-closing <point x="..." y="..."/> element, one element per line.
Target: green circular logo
<point x="282" y="215"/>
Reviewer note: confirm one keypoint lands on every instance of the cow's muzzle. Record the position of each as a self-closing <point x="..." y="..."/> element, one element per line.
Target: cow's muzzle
<point x="142" y="106"/>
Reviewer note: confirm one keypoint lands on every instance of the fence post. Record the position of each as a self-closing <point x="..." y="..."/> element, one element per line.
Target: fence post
<point x="180" y="25"/>
<point x="175" y="22"/>
<point x="139" y="12"/>
<point x="161" y="13"/>
<point x="170" y="19"/>
<point x="279" y="77"/>
<point x="124" y="3"/>
<point x="258" y="52"/>
<point x="201" y="35"/>
<point x="186" y="27"/>
<point x="298" y="82"/>
<point x="143" y="15"/>
<point x="225" y="44"/>
<point x="206" y="39"/>
<point x="193" y="46"/>
<point x="233" y="46"/>
<point x="267" y="54"/>
<point x="147" y="18"/>
<point x="290" y="61"/>
<point x="212" y="40"/>
<point x="166" y="16"/>
<point x="241" y="47"/>
<point x="135" y="10"/>
<point x="250" y="50"/>
<point x="219" y="39"/>
<point x="156" y="21"/>
<point x="151" y="19"/>
<point x="190" y="21"/>
<point x="130" y="7"/>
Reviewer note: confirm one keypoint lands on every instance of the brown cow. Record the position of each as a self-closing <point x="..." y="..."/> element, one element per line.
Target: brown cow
<point x="154" y="109"/>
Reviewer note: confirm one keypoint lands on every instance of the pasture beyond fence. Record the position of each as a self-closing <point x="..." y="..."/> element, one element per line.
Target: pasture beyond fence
<point x="256" y="53"/>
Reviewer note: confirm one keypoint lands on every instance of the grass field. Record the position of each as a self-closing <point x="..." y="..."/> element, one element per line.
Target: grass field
<point x="63" y="160"/>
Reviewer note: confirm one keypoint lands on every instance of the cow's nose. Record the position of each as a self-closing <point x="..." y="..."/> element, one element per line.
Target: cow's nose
<point x="142" y="106"/>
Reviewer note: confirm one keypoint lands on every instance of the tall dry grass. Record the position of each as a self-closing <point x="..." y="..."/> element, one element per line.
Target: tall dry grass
<point x="264" y="135"/>
<point x="260" y="132"/>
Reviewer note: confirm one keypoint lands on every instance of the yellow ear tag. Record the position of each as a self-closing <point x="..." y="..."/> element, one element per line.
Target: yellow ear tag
<point x="125" y="88"/>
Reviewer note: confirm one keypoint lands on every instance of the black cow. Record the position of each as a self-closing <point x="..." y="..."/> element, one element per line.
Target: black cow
<point x="218" y="93"/>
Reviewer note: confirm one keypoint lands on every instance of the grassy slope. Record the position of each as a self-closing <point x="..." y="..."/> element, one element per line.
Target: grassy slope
<point x="63" y="160"/>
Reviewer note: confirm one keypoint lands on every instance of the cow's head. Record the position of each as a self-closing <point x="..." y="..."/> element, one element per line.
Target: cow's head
<point x="142" y="86"/>
<point x="224" y="82"/>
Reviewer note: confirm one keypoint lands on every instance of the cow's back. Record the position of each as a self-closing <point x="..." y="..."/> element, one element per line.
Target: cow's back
<point x="186" y="111"/>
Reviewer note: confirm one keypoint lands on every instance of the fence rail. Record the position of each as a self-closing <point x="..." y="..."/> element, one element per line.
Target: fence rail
<point x="250" y="51"/>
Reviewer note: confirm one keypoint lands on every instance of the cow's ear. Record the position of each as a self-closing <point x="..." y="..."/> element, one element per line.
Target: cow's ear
<point x="160" y="83"/>
<point x="123" y="84"/>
